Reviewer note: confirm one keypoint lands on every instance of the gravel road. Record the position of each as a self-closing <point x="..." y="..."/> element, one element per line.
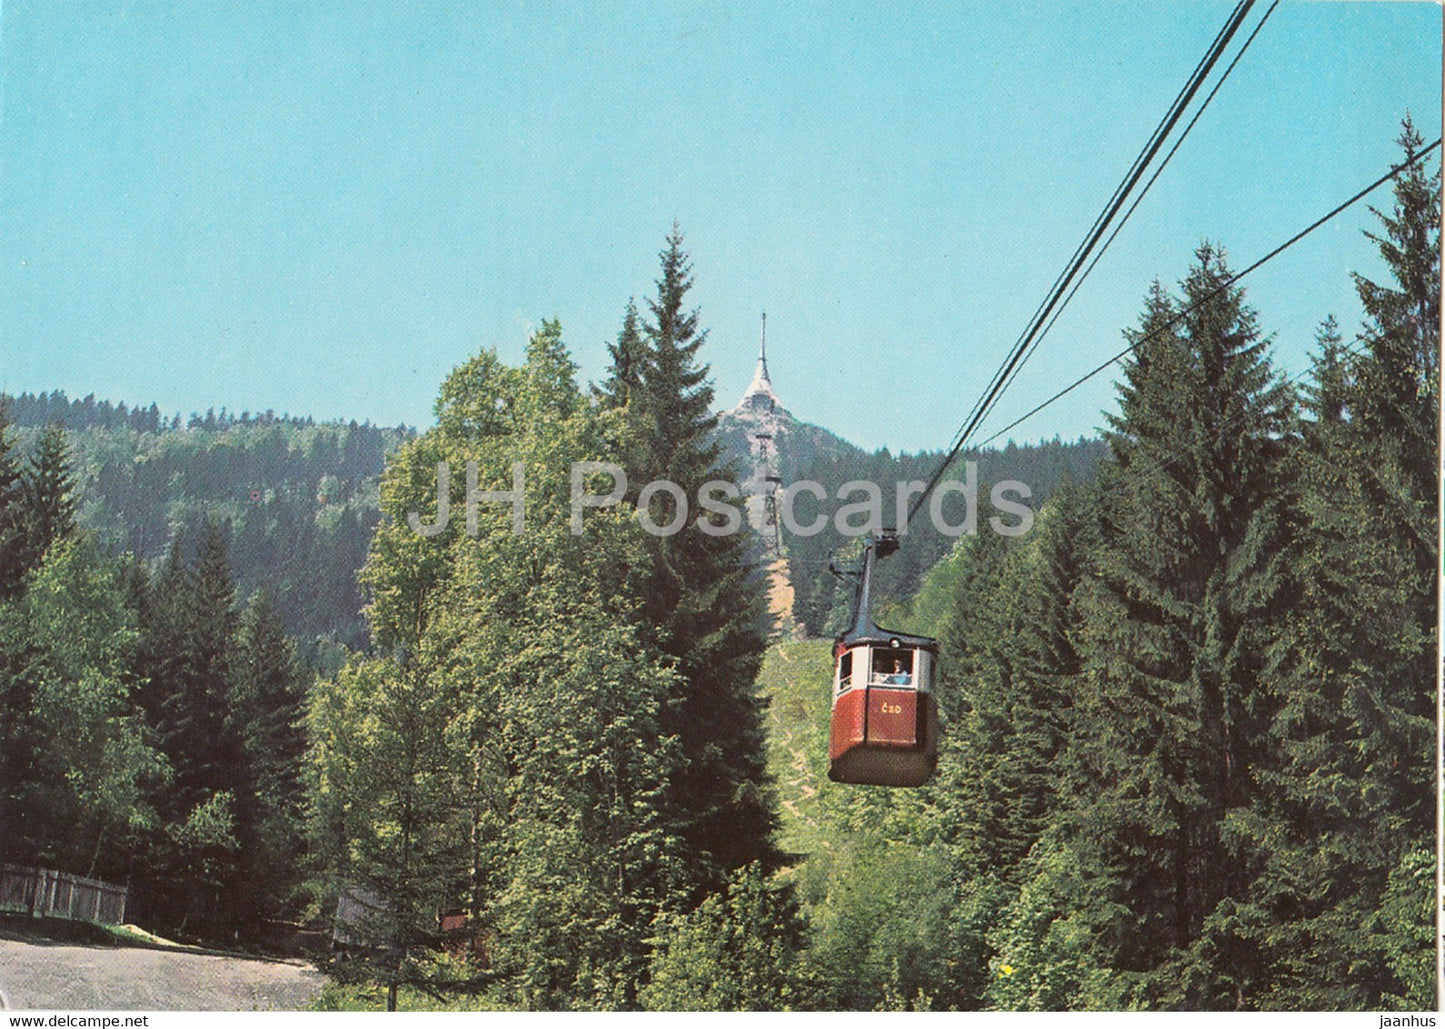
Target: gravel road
<point x="76" y="978"/>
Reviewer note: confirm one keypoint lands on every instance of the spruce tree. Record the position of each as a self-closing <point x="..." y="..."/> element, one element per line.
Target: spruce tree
<point x="37" y="508"/>
<point x="47" y="496"/>
<point x="205" y="740"/>
<point x="1354" y="798"/>
<point x="1007" y="676"/>
<point x="12" y="566"/>
<point x="22" y="738"/>
<point x="703" y="603"/>
<point x="629" y="357"/>
<point x="187" y="659"/>
<point x="1173" y="707"/>
<point x="19" y="739"/>
<point x="676" y="395"/>
<point x="267" y="710"/>
<point x="159" y="602"/>
<point x="1009" y="655"/>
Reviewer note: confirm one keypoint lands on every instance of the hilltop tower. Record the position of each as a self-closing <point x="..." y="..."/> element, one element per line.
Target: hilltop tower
<point x="762" y="403"/>
<point x="760" y="415"/>
<point x="759" y="396"/>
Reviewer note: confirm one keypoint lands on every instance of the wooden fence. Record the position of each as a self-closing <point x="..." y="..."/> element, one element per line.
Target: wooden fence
<point x="39" y="891"/>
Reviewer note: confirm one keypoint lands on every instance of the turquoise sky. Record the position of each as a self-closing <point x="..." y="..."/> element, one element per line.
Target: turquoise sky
<point x="323" y="207"/>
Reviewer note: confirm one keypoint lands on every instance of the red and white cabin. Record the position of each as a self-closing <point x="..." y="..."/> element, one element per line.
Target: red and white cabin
<point x="885" y="719"/>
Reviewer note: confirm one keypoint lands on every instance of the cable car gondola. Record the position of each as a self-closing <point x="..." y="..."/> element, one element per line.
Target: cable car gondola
<point x="885" y="719"/>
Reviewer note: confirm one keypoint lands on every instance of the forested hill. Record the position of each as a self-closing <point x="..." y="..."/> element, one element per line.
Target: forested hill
<point x="799" y="444"/>
<point x="824" y="602"/>
<point x="296" y="499"/>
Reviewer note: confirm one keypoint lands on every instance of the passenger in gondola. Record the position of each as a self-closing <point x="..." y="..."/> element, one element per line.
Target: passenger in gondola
<point x="900" y="675"/>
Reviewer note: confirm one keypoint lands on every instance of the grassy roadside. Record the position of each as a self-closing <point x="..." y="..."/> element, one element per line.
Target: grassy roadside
<point x="23" y="928"/>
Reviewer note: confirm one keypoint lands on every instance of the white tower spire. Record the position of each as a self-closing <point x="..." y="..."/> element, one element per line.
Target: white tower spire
<point x="763" y="347"/>
<point x="759" y="393"/>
